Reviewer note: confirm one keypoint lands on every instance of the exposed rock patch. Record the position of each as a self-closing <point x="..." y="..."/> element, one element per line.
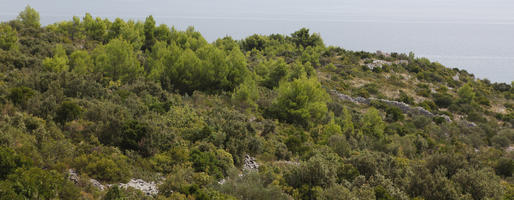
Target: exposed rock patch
<point x="72" y="175"/>
<point x="97" y="184"/>
<point x="405" y="108"/>
<point x="148" y="188"/>
<point x="250" y="163"/>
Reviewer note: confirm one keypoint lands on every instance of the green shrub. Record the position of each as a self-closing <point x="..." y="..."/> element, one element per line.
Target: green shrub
<point x="301" y="102"/>
<point x="20" y="95"/>
<point x="68" y="111"/>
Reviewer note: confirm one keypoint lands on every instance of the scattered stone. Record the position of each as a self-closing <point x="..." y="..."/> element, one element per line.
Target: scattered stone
<point x="509" y="149"/>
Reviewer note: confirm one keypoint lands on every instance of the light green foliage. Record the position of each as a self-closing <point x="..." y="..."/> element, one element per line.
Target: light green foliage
<point x="246" y="93"/>
<point x="36" y="183"/>
<point x="103" y="167"/>
<point x="8" y="37"/>
<point x="95" y="28"/>
<point x="346" y="122"/>
<point x="208" y="69"/>
<point x="466" y="94"/>
<point x="299" y="70"/>
<point x="117" y="61"/>
<point x="272" y="71"/>
<point x="115" y="29"/>
<point x="81" y="62"/>
<point x="59" y="62"/>
<point x="29" y="17"/>
<point x="302" y="101"/>
<point x="372" y="123"/>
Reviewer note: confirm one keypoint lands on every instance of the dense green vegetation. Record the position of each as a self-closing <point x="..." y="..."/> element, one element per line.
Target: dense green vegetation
<point x="116" y="100"/>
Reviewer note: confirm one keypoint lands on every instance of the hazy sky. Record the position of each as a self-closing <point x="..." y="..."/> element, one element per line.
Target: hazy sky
<point x="472" y="11"/>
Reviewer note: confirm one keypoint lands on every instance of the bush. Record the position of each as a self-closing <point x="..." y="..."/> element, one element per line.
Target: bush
<point x="20" y="95"/>
<point x="110" y="168"/>
<point x="443" y="100"/>
<point x="301" y="102"/>
<point x="10" y="161"/>
<point x="68" y="111"/>
<point x="504" y="167"/>
<point x="372" y="123"/>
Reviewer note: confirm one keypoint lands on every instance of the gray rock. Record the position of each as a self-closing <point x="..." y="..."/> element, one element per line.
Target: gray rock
<point x="97" y="184"/>
<point x="405" y="108"/>
<point x="72" y="176"/>
<point x="250" y="163"/>
<point x="147" y="188"/>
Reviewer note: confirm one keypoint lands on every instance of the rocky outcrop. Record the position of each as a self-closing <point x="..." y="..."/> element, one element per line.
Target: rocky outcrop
<point x="405" y="108"/>
<point x="147" y="188"/>
<point x="250" y="163"/>
<point x="97" y="184"/>
<point x="73" y="177"/>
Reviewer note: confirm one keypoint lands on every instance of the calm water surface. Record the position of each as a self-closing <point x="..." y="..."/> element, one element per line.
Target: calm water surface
<point x="476" y="35"/>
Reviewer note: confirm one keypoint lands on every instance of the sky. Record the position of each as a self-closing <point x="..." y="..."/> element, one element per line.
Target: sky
<point x="471" y="11"/>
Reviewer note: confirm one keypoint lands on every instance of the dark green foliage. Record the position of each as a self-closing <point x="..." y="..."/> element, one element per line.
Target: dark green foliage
<point x="10" y="161"/>
<point x="213" y="162"/>
<point x="114" y="193"/>
<point x="505" y="167"/>
<point x="382" y="194"/>
<point x="480" y="184"/>
<point x="132" y="135"/>
<point x="394" y="114"/>
<point x="443" y="100"/>
<point x="149" y="33"/>
<point x="254" y="42"/>
<point x="405" y="98"/>
<point x="20" y="95"/>
<point x="304" y="39"/>
<point x="36" y="183"/>
<point x="68" y="111"/>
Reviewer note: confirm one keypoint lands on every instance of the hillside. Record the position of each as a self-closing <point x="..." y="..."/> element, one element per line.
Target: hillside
<point x="98" y="109"/>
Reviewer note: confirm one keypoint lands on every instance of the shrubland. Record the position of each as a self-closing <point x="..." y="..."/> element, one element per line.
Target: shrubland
<point x="116" y="100"/>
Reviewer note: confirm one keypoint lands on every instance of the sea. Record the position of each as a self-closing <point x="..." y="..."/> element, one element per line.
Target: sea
<point x="475" y="35"/>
